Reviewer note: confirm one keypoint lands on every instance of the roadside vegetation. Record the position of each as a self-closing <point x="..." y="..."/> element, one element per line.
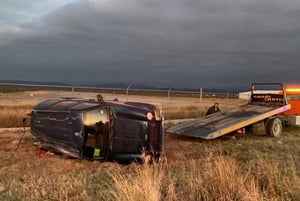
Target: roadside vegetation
<point x="253" y="168"/>
<point x="13" y="110"/>
<point x="186" y="111"/>
<point x="241" y="167"/>
<point x="12" y="114"/>
<point x="11" y="90"/>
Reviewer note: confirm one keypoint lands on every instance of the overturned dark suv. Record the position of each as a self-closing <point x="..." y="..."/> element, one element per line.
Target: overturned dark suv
<point x="98" y="129"/>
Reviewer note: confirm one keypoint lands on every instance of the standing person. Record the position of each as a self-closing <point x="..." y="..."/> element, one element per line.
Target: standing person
<point x="213" y="109"/>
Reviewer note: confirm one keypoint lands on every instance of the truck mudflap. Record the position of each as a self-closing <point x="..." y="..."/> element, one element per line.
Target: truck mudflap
<point x="221" y="123"/>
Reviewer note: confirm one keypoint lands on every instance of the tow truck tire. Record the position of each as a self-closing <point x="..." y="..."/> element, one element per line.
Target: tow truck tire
<point x="274" y="127"/>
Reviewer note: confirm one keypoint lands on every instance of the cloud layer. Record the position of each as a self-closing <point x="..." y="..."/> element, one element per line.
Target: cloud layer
<point x="181" y="43"/>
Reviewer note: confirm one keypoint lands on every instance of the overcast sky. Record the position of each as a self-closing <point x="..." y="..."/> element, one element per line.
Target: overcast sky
<point x="168" y="43"/>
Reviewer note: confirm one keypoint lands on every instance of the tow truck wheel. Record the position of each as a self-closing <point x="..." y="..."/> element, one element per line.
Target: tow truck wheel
<point x="274" y="127"/>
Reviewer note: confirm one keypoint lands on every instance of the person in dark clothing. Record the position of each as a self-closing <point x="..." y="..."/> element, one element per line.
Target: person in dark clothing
<point x="213" y="109"/>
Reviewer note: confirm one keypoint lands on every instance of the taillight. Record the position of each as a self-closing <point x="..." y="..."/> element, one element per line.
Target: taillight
<point x="149" y="116"/>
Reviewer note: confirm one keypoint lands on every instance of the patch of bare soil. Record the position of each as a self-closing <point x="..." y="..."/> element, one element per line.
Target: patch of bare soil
<point x="27" y="159"/>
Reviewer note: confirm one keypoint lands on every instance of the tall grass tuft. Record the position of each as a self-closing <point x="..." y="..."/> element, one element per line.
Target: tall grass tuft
<point x="183" y="112"/>
<point x="219" y="179"/>
<point x="11" y="115"/>
<point x="278" y="179"/>
<point x="225" y="180"/>
<point x="210" y="179"/>
<point x="143" y="183"/>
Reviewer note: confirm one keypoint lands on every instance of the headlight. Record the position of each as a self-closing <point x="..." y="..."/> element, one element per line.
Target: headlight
<point x="149" y="116"/>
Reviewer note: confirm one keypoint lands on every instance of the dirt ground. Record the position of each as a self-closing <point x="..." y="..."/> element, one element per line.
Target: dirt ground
<point x="16" y="146"/>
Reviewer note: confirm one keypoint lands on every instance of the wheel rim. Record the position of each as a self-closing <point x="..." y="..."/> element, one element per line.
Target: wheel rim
<point x="276" y="128"/>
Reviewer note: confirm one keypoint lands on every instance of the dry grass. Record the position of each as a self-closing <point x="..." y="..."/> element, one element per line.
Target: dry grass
<point x="246" y="168"/>
<point x="249" y="168"/>
<point x="11" y="114"/>
<point x="14" y="108"/>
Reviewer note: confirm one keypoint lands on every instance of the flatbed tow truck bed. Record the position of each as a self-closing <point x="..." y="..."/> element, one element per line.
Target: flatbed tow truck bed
<point x="261" y="107"/>
<point x="221" y="123"/>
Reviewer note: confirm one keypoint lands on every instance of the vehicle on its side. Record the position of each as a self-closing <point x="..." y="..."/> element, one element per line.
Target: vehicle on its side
<point x="98" y="129"/>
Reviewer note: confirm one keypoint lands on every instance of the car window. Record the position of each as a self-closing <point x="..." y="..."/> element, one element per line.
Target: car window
<point x="95" y="116"/>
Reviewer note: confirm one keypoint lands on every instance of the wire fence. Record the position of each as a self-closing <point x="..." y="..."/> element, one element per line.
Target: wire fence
<point x="129" y="90"/>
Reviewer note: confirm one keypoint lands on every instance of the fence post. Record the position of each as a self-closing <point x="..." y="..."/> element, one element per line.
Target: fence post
<point x="169" y="93"/>
<point x="200" y="95"/>
<point x="127" y="90"/>
<point x="73" y="88"/>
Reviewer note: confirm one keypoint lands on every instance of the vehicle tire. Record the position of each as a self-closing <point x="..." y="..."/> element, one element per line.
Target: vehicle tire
<point x="274" y="127"/>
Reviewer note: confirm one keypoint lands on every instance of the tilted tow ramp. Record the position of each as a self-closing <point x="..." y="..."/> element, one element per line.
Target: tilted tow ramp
<point x="263" y="107"/>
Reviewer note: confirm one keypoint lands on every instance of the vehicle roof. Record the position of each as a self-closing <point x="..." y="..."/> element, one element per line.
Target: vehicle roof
<point x="78" y="104"/>
<point x="67" y="104"/>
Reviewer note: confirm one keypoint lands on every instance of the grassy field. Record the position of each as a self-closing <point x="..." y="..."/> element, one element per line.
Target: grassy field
<point x="243" y="167"/>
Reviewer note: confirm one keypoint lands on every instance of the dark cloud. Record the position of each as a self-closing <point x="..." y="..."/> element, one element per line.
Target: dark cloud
<point x="183" y="43"/>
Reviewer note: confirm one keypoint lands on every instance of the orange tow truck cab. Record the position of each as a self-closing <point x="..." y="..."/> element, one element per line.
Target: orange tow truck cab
<point x="293" y="98"/>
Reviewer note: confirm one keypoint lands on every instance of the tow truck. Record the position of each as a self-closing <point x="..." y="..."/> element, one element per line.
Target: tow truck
<point x="263" y="114"/>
